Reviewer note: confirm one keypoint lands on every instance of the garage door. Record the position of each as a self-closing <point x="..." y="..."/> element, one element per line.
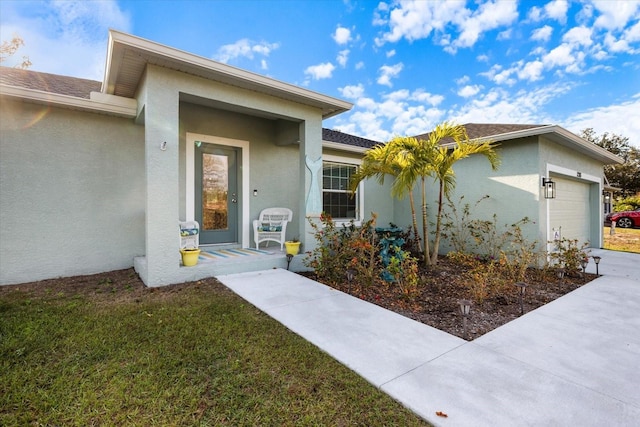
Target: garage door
<point x="569" y="212"/>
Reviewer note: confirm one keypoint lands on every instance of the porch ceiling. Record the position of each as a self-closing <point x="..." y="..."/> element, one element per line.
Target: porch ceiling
<point x="129" y="55"/>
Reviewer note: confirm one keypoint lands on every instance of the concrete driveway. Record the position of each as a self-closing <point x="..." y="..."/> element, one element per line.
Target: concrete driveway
<point x="574" y="361"/>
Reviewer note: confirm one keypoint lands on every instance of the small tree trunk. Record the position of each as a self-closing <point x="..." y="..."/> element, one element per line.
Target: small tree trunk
<point x="416" y="234"/>
<point x="436" y="243"/>
<point x="425" y="225"/>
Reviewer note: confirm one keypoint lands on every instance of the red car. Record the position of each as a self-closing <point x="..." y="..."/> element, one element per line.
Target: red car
<point x="626" y="219"/>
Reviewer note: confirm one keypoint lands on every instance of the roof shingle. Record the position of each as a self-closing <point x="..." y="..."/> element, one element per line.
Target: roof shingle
<point x="344" y="138"/>
<point x="52" y="83"/>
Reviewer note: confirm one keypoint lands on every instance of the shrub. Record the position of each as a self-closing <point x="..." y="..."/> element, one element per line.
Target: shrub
<point x="344" y="248"/>
<point x="568" y="254"/>
<point x="354" y="250"/>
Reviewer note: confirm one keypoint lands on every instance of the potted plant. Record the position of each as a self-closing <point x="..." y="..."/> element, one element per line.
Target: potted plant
<point x="292" y="246"/>
<point x="190" y="256"/>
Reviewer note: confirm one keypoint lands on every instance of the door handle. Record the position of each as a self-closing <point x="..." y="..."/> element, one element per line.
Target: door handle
<point x="233" y="198"/>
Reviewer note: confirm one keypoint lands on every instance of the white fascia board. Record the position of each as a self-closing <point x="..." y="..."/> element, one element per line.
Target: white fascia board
<point x="343" y="147"/>
<point x="218" y="67"/>
<point x="586" y="146"/>
<point x="118" y="106"/>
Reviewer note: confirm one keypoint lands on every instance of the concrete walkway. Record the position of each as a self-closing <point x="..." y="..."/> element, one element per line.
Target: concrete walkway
<point x="574" y="361"/>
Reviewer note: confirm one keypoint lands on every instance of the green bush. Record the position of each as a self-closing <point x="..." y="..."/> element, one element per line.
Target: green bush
<point x="351" y="251"/>
<point x="627" y="204"/>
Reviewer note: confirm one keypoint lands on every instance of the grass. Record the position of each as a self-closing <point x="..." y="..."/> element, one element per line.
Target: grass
<point x="625" y="239"/>
<point x="111" y="352"/>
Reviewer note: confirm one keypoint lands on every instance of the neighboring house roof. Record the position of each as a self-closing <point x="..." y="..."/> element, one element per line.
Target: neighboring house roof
<point x="359" y="144"/>
<point x="505" y="132"/>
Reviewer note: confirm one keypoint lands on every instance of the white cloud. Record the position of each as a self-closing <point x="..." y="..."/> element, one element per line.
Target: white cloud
<point x="622" y="119"/>
<point x="469" y="91"/>
<point x="352" y="92"/>
<point x="391" y="53"/>
<point x="359" y="65"/>
<point x="616" y="46"/>
<point x="615" y="14"/>
<point x="558" y="57"/>
<point x="463" y="80"/>
<point x="482" y="58"/>
<point x="488" y="16"/>
<point x="557" y="9"/>
<point x="263" y="64"/>
<point x="505" y="35"/>
<point x="244" y="48"/>
<point x="578" y="36"/>
<point x="387" y="72"/>
<point x="542" y="33"/>
<point x="343" y="57"/>
<point x="501" y="106"/>
<point x="342" y="35"/>
<point x="531" y="71"/>
<point x="420" y="19"/>
<point x="68" y="38"/>
<point x="320" y="71"/>
<point x="421" y="96"/>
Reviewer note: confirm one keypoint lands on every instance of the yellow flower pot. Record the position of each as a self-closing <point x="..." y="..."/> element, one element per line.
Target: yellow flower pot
<point x="190" y="257"/>
<point x="292" y="248"/>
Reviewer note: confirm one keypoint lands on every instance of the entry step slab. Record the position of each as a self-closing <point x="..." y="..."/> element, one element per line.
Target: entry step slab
<point x="376" y="343"/>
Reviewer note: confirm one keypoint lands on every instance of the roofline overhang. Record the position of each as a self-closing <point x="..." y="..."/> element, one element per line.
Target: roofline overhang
<point x="343" y="147"/>
<point x="330" y="106"/>
<point x="560" y="135"/>
<point x="110" y="105"/>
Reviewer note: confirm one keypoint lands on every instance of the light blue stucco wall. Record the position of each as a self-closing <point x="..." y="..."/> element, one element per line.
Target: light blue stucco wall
<point x="71" y="192"/>
<point x="163" y="90"/>
<point x="274" y="168"/>
<point x="512" y="189"/>
<point x="560" y="161"/>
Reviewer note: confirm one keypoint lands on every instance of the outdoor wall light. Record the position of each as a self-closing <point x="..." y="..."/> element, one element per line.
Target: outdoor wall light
<point x="465" y="308"/>
<point x="163" y="145"/>
<point x="549" y="188"/>
<point x="522" y="287"/>
<point x="607" y="196"/>
<point x="255" y="193"/>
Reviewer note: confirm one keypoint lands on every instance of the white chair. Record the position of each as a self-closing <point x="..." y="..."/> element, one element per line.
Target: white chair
<point x="271" y="225"/>
<point x="189" y="234"/>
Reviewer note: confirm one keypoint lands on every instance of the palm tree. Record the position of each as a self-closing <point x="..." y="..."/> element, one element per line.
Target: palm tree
<point x="444" y="157"/>
<point x="388" y="159"/>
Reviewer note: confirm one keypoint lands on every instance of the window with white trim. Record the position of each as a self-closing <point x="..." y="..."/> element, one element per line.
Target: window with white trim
<point x="337" y="200"/>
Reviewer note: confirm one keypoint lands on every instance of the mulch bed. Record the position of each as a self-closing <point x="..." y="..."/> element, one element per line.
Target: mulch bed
<point x="436" y="303"/>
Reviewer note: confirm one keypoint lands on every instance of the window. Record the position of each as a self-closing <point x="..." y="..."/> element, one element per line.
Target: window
<point x="337" y="200"/>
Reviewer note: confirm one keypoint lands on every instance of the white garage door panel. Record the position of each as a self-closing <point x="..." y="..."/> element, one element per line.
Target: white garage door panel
<point x="570" y="209"/>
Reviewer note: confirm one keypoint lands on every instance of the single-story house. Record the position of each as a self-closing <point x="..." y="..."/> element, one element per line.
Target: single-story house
<point x="95" y="176"/>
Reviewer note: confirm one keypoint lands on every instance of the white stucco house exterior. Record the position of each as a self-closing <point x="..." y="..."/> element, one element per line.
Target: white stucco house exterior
<point x="94" y="176"/>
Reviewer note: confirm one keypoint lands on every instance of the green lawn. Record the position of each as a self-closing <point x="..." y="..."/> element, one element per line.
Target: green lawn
<point x="107" y="351"/>
<point x="624" y="239"/>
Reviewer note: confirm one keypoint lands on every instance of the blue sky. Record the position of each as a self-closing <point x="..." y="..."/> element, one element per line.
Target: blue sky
<point x="405" y="65"/>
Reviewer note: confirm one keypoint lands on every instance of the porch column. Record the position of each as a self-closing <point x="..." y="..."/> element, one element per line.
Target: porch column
<point x="311" y="175"/>
<point x="162" y="182"/>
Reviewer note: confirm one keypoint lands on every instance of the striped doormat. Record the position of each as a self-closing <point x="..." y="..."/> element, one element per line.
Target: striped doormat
<point x="230" y="254"/>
